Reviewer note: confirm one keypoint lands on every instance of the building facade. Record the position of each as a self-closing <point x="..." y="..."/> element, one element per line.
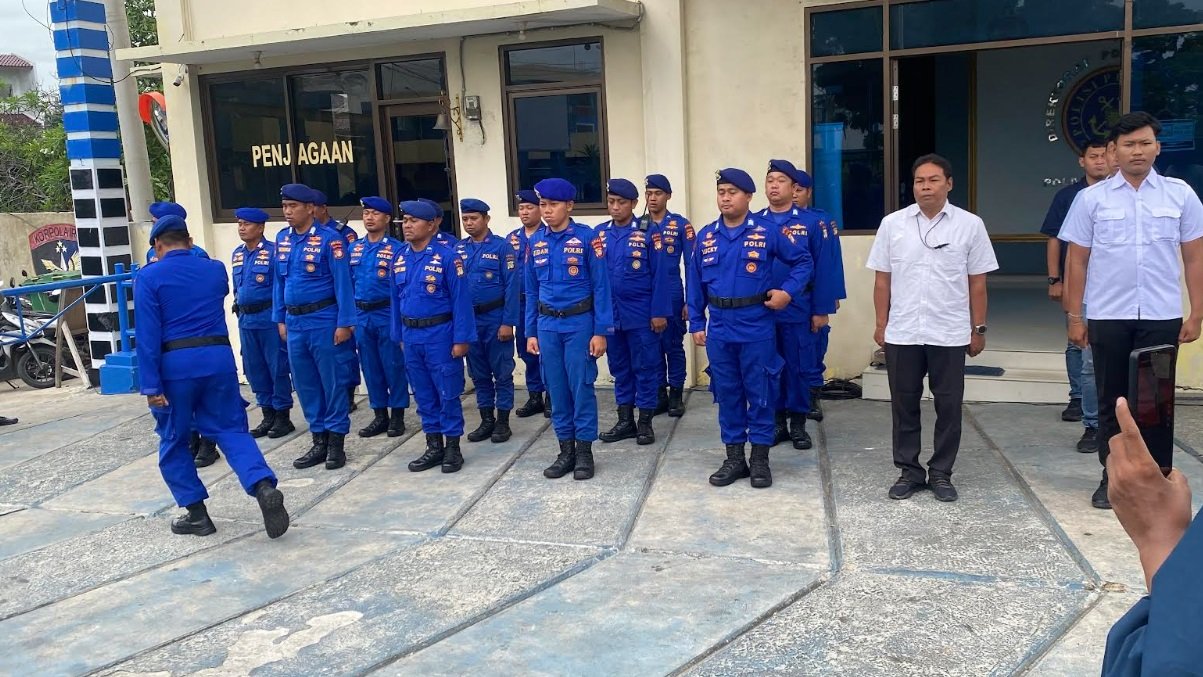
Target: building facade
<point x="347" y="97"/>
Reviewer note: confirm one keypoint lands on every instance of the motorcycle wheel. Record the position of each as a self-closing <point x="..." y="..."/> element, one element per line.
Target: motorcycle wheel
<point x="39" y="372"/>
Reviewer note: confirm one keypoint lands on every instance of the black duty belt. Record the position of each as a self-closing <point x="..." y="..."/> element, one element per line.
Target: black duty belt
<point x="423" y="322"/>
<point x="251" y="308"/>
<point x="311" y="307"/>
<point x="371" y="305"/>
<point x="195" y="342"/>
<point x="575" y="309"/>
<point x="489" y="305"/>
<point x="728" y="303"/>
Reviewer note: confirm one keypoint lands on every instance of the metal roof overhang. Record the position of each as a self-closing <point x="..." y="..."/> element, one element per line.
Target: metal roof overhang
<point x="499" y="18"/>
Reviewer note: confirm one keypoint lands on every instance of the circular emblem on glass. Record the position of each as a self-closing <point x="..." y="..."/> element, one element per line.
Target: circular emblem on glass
<point x="1092" y="107"/>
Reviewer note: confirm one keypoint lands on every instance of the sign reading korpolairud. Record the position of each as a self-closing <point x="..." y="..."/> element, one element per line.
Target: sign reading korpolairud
<point x="311" y="153"/>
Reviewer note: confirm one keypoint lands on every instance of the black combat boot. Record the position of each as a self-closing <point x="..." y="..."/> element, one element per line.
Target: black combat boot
<point x="282" y="425"/>
<point x="564" y="463"/>
<point x="336" y="455"/>
<point x="351" y="406"/>
<point x="676" y="406"/>
<point x="207" y="455"/>
<point x="378" y="425"/>
<point x="534" y="405"/>
<point x="661" y="400"/>
<point x="816" y="405"/>
<point x="271" y="504"/>
<point x="487" y="423"/>
<point x="797" y="431"/>
<point x="761" y="477"/>
<point x="433" y="456"/>
<point x="625" y="428"/>
<point x="734" y="468"/>
<point x="644" y="432"/>
<point x="502" y="432"/>
<point x="584" y="461"/>
<point x="780" y="429"/>
<point x="452" y="459"/>
<point x="194" y="444"/>
<point x="316" y="454"/>
<point x="547" y="405"/>
<point x="265" y="426"/>
<point x="195" y="522"/>
<point x="396" y="424"/>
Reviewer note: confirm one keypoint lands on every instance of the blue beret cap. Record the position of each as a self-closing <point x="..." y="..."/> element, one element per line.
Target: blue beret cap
<point x="419" y="210"/>
<point x="659" y="181"/>
<point x="527" y="196"/>
<point x="166" y="224"/>
<point x="251" y="214"/>
<point x="160" y="209"/>
<point x="803" y="179"/>
<point x="438" y="208"/>
<point x="785" y="167"/>
<point x="378" y="203"/>
<point x="319" y="198"/>
<point x="298" y="192"/>
<point x="556" y="190"/>
<point x="472" y="205"/>
<point x="738" y="178"/>
<point x="622" y="188"/>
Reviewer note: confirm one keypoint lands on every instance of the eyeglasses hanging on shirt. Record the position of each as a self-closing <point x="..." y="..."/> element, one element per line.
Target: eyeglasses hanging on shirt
<point x="923" y="236"/>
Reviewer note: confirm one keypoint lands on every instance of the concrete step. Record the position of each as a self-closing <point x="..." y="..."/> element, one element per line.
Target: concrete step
<point x="1021" y="359"/>
<point x="1031" y="386"/>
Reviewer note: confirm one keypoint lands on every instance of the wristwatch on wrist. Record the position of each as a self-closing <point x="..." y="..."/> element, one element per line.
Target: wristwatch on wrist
<point x="979" y="329"/>
<point x="1053" y="280"/>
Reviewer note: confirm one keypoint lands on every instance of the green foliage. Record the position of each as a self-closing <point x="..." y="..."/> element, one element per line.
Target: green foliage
<point x="33" y="156"/>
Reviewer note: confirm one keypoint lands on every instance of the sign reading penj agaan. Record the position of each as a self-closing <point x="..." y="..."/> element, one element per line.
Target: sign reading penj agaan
<point x="312" y="153"/>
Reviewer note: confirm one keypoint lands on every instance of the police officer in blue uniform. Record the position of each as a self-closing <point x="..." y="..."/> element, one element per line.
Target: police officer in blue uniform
<point x="829" y="284"/>
<point x="568" y="316"/>
<point x="264" y="360"/>
<point x="348" y="359"/>
<point x="678" y="236"/>
<point x="313" y="304"/>
<point x="383" y="360"/>
<point x="640" y="293"/>
<point x="188" y="376"/>
<point x="157" y="211"/>
<point x="731" y="276"/>
<point x="432" y="317"/>
<point x="490" y="267"/>
<point x="530" y="218"/>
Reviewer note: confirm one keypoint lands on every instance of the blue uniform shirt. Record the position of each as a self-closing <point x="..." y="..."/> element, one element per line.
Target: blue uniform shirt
<point x="428" y="283"/>
<point x="678" y="237"/>
<point x="347" y="232"/>
<point x="563" y="269"/>
<point x="444" y="238"/>
<point x="180" y="297"/>
<point x="639" y="284"/>
<point x="491" y="270"/>
<point x="1057" y="211"/>
<point x="195" y="251"/>
<point x="807" y="231"/>
<point x="371" y="272"/>
<point x="519" y="241"/>
<point x="254" y="273"/>
<point x="312" y="267"/>
<point x="829" y="273"/>
<point x="737" y="263"/>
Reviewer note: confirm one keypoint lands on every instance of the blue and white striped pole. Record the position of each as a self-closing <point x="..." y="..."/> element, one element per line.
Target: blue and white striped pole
<point x="94" y="150"/>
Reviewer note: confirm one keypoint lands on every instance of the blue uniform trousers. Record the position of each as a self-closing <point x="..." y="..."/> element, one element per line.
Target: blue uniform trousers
<point x="534" y="372"/>
<point x="219" y="412"/>
<point x="383" y="366"/>
<point x="315" y="364"/>
<point x="796" y="345"/>
<point x="348" y="364"/>
<point x="634" y="359"/>
<point x="265" y="363"/>
<point x="438" y="381"/>
<point x="814" y="374"/>
<point x="744" y="377"/>
<point x="569" y="374"/>
<point x="672" y="343"/>
<point x="491" y="365"/>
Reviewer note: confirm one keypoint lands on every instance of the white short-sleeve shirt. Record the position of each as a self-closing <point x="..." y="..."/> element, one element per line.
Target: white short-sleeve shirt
<point x="1134" y="238"/>
<point x="929" y="262"/>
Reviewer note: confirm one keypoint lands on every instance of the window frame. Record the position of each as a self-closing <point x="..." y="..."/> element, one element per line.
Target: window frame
<point x="510" y="93"/>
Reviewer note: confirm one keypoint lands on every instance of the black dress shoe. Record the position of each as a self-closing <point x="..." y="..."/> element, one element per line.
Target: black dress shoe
<point x="433" y="456"/>
<point x="1100" y="499"/>
<point x="564" y="463"/>
<point x="943" y="489"/>
<point x="1089" y="444"/>
<point x="816" y="405"/>
<point x="316" y="454"/>
<point x="584" y="461"/>
<point x="336" y="455"/>
<point x="378" y="425"/>
<point x="282" y="425"/>
<point x="643" y="428"/>
<point x="265" y="426"/>
<point x="904" y="488"/>
<point x="758" y="469"/>
<point x="734" y="468"/>
<point x="501" y="431"/>
<point x="534" y="405"/>
<point x="485" y="429"/>
<point x="453" y="460"/>
<point x="4" y="420"/>
<point x="396" y="423"/>
<point x="1073" y="412"/>
<point x="195" y="522"/>
<point x="271" y="504"/>
<point x="207" y="454"/>
<point x="797" y="431"/>
<point x="625" y="428"/>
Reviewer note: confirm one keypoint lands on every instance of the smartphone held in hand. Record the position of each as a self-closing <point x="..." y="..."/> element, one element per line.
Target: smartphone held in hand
<point x="1151" y="399"/>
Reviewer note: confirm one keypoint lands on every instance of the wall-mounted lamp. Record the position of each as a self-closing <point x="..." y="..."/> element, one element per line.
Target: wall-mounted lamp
<point x="449" y="116"/>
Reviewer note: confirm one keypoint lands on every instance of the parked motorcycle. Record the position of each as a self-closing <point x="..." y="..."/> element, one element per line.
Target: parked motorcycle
<point x="30" y="359"/>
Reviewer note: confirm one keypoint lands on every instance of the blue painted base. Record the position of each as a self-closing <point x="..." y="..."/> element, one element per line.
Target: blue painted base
<point x="119" y="374"/>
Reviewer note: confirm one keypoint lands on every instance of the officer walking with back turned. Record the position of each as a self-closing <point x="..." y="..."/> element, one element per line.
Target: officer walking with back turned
<point x="528" y="214"/>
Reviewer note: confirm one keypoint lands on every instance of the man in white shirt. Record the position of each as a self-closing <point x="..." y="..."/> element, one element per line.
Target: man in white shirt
<point x="931" y="260"/>
<point x="1124" y="237"/>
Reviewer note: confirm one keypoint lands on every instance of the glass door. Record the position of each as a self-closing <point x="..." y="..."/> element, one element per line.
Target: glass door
<point x="418" y="162"/>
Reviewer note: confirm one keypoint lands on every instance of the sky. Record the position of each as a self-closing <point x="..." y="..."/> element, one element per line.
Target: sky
<point x="24" y="36"/>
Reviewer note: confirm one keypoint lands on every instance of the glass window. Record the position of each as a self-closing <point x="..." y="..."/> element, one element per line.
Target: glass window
<point x="846" y="32"/>
<point x="411" y="79"/>
<point x="561" y="64"/>
<point x="849" y="133"/>
<point x="951" y="22"/>
<point x="251" y="150"/>
<point x="1165" y="82"/>
<point x="1157" y="13"/>
<point x="335" y="147"/>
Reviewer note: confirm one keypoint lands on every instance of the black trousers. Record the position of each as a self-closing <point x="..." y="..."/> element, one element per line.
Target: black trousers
<point x="945" y="368"/>
<point x="1112" y="342"/>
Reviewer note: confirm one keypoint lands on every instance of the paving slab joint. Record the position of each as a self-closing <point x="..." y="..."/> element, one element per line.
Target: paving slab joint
<point x="835" y="544"/>
<point x="650" y="480"/>
<point x="1045" y="643"/>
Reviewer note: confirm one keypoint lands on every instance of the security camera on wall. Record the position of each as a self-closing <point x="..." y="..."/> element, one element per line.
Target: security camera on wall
<point x="179" y="78"/>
